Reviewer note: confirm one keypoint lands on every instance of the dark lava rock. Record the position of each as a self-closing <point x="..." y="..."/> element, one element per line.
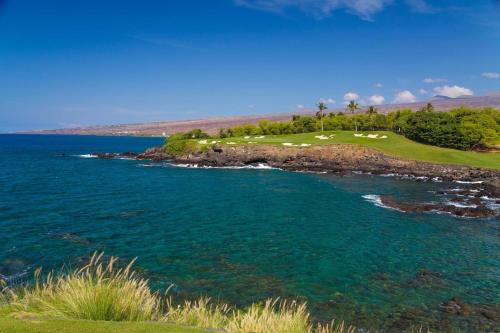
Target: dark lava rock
<point x="68" y="236"/>
<point x="480" y="211"/>
<point x="456" y="306"/>
<point x="155" y="154"/>
<point x="427" y="278"/>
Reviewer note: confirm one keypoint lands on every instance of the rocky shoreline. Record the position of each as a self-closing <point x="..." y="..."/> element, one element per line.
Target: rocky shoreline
<point x="329" y="158"/>
<point x="481" y="187"/>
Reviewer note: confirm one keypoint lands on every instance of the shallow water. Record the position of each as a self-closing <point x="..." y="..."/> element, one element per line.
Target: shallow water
<point x="245" y="235"/>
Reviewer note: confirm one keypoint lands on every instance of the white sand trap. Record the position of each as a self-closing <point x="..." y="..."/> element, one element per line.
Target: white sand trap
<point x="322" y="137"/>
<point x="289" y="144"/>
<point x="246" y="137"/>
<point x="370" y="136"/>
<point x="251" y="141"/>
<point x="260" y="137"/>
<point x="305" y="145"/>
<point x="231" y="143"/>
<point x="203" y="142"/>
<point x="331" y="136"/>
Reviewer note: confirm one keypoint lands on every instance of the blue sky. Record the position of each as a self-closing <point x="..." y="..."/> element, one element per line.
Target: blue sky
<point x="72" y="63"/>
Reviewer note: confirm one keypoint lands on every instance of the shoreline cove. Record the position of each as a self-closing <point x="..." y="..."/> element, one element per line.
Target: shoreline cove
<point x="343" y="160"/>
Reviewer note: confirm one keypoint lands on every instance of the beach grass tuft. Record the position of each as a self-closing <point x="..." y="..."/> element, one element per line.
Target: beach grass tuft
<point x="201" y="313"/>
<point x="100" y="292"/>
<point x="273" y="316"/>
<point x="97" y="291"/>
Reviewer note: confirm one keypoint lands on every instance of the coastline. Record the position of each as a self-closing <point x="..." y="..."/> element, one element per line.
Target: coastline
<point x="334" y="158"/>
<point x="476" y="197"/>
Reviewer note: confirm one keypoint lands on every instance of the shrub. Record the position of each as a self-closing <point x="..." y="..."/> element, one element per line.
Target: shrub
<point x="179" y="147"/>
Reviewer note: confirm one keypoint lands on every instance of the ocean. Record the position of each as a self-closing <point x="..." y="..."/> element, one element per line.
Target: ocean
<point x="244" y="235"/>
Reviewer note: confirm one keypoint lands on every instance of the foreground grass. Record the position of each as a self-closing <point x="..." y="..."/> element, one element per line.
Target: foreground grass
<point x="100" y="297"/>
<point x="35" y="325"/>
<point x="394" y="145"/>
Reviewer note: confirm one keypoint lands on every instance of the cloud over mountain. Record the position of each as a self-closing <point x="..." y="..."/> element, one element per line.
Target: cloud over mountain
<point x="404" y="96"/>
<point x="453" y="91"/>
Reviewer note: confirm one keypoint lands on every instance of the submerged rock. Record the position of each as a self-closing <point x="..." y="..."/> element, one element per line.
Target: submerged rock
<point x="427" y="278"/>
<point x="71" y="237"/>
<point x="479" y="210"/>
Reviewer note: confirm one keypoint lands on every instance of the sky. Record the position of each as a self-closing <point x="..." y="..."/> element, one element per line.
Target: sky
<point x="77" y="63"/>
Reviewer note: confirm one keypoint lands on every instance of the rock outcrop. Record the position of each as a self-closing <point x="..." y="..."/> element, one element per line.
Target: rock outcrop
<point x="330" y="158"/>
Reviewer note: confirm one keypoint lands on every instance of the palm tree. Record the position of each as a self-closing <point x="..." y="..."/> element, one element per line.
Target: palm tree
<point x="321" y="106"/>
<point x="353" y="106"/>
<point x="371" y="111"/>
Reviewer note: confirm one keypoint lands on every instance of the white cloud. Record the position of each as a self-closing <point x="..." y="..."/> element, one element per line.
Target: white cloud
<point x="434" y="80"/>
<point x="378" y="85"/>
<point x="327" y="100"/>
<point x="251" y="106"/>
<point x="421" y="6"/>
<point x="365" y="9"/>
<point x="300" y="106"/>
<point x="453" y="91"/>
<point x="491" y="75"/>
<point x="350" y="96"/>
<point x="423" y="92"/>
<point x="376" y="100"/>
<point x="404" y="96"/>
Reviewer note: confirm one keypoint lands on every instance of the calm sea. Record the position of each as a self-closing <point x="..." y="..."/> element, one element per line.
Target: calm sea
<point x="244" y="235"/>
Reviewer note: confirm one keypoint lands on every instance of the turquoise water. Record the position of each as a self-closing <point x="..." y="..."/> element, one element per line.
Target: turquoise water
<point x="244" y="235"/>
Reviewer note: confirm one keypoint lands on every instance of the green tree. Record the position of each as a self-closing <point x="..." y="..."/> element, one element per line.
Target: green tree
<point x="353" y="106"/>
<point x="321" y="106"/>
<point x="371" y="111"/>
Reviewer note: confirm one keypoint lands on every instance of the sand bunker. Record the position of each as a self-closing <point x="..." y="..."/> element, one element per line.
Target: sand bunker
<point x="324" y="137"/>
<point x="289" y="144"/>
<point x="370" y="136"/>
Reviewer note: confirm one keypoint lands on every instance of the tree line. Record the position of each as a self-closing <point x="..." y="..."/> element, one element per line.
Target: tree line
<point x="460" y="128"/>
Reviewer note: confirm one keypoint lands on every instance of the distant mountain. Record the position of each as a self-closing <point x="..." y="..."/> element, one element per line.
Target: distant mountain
<point x="212" y="125"/>
<point x="439" y="98"/>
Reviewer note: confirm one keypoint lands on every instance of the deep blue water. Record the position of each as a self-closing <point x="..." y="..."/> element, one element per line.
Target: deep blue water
<point x="245" y="235"/>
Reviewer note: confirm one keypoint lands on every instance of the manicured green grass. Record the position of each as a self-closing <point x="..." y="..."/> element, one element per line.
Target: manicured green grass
<point x="10" y="325"/>
<point x="395" y="145"/>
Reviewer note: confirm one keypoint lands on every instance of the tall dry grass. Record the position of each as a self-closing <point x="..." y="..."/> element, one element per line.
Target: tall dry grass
<point x="201" y="313"/>
<point x="273" y="316"/>
<point x="100" y="291"/>
<point x="97" y="291"/>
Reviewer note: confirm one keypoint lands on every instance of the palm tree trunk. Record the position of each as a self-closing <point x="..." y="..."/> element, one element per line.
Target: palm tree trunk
<point x="321" y="120"/>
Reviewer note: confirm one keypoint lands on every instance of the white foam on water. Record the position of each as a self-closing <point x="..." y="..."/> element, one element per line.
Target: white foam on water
<point x="260" y="166"/>
<point x="459" y="205"/>
<point x="466" y="182"/>
<point x="86" y="156"/>
<point x="491" y="203"/>
<point x="148" y="165"/>
<point x="377" y="201"/>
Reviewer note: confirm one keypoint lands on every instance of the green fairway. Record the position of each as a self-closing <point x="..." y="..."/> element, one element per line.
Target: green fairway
<point x="9" y="325"/>
<point x="394" y="144"/>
